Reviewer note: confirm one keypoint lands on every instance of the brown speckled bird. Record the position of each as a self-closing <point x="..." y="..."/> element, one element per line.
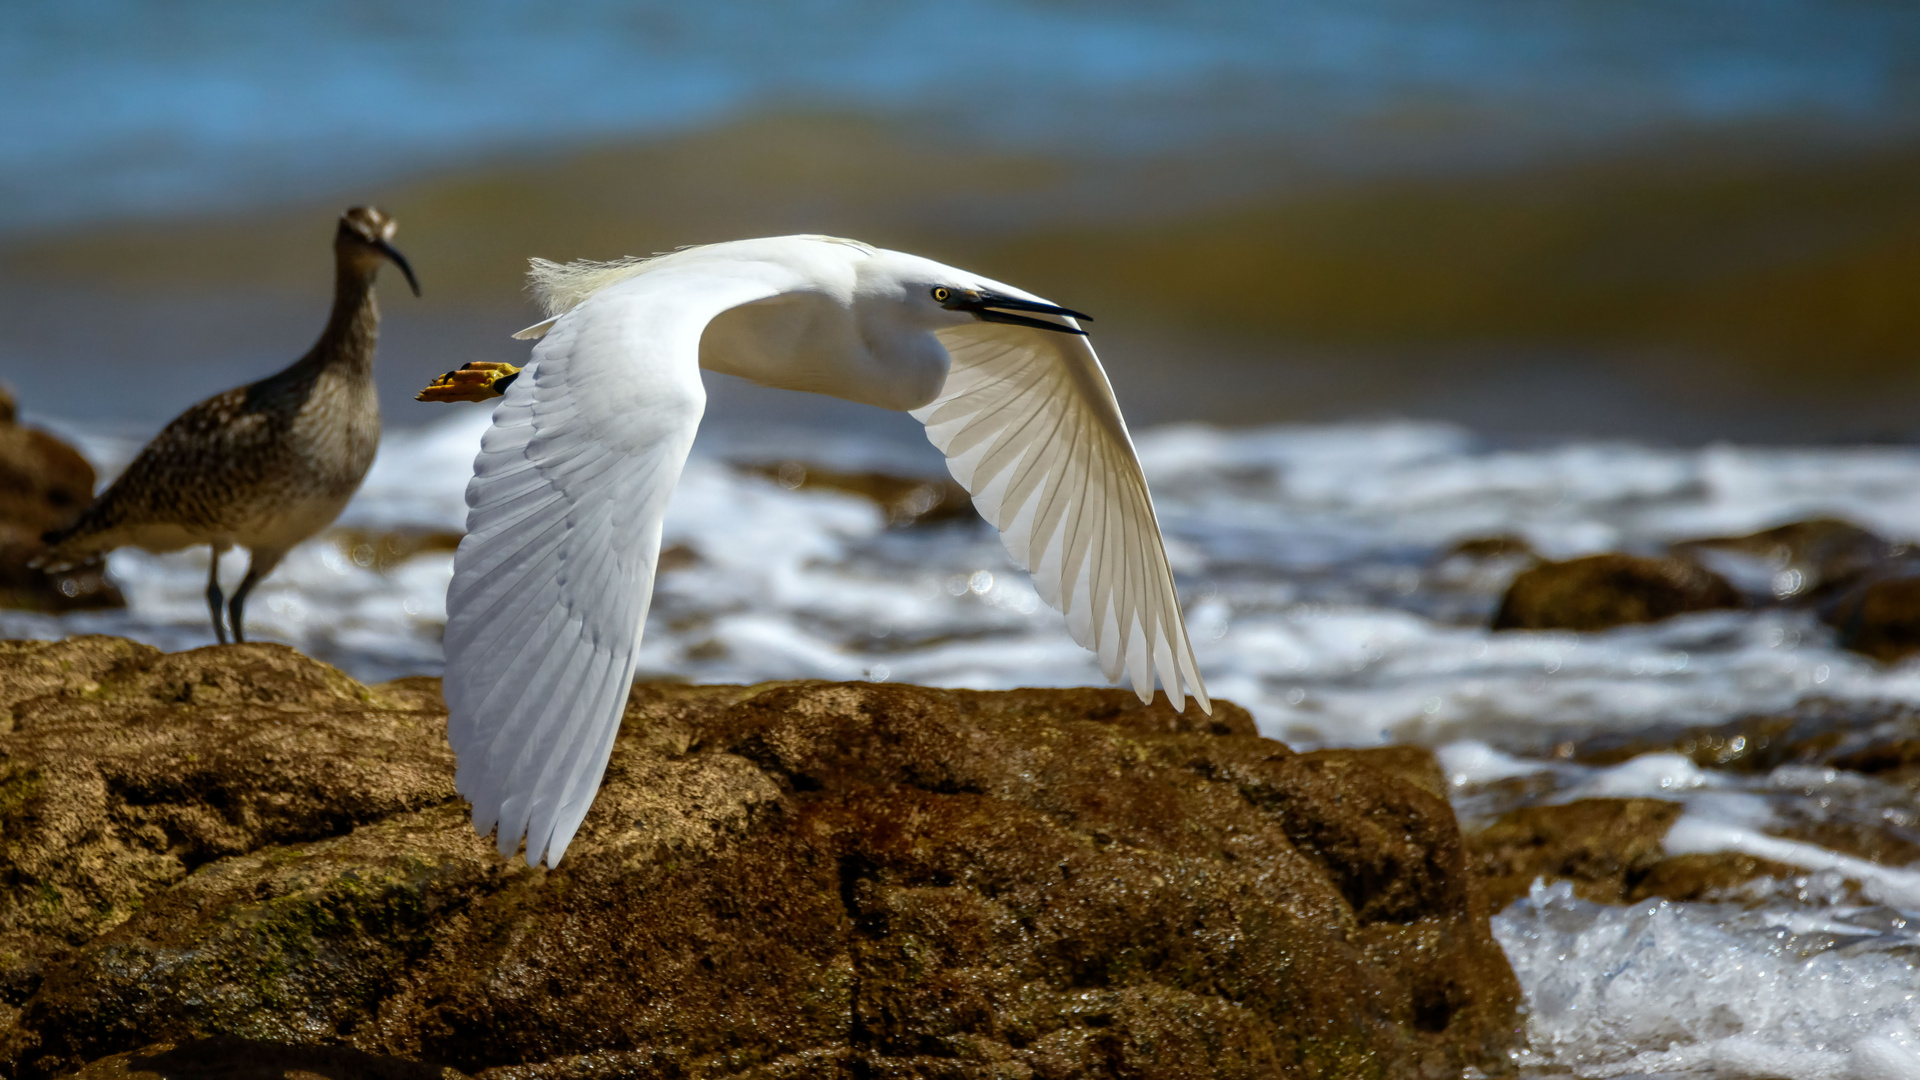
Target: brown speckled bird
<point x="261" y="466"/>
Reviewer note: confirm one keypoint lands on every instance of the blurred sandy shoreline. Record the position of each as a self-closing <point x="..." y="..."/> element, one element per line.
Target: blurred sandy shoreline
<point x="1684" y="289"/>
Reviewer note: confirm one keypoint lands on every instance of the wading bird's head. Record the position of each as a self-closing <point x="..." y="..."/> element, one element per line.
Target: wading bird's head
<point x="365" y="239"/>
<point x="989" y="306"/>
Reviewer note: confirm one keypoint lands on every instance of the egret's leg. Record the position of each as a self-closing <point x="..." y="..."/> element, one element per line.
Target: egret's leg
<point x="213" y="591"/>
<point x="259" y="564"/>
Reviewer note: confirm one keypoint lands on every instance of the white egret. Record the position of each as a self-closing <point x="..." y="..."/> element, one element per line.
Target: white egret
<point x="552" y="582"/>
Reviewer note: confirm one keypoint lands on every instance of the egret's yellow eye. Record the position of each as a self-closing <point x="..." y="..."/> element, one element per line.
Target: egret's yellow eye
<point x="942" y="294"/>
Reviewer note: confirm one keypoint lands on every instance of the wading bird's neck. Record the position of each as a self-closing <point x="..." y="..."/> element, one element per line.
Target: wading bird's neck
<point x="349" y="338"/>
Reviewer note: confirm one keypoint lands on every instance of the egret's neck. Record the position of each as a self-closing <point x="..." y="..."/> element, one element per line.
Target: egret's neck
<point x="808" y="342"/>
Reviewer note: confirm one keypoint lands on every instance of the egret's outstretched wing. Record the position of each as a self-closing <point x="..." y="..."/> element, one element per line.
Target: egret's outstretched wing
<point x="551" y="584"/>
<point x="1030" y="427"/>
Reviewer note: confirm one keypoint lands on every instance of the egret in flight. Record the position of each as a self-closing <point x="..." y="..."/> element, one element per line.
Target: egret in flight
<point x="552" y="582"/>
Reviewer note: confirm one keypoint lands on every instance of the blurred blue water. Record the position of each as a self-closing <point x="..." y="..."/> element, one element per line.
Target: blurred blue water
<point x="113" y="107"/>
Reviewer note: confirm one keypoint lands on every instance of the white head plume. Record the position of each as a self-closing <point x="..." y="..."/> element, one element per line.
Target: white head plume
<point x="560" y="287"/>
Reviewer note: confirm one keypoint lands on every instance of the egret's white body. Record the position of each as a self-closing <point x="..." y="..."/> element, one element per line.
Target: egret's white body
<point x="552" y="582"/>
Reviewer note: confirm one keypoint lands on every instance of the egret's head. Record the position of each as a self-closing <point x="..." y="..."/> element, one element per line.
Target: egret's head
<point x="364" y="240"/>
<point x="989" y="306"/>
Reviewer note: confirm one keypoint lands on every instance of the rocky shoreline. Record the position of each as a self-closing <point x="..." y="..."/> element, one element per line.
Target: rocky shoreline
<point x="241" y="862"/>
<point x="217" y="857"/>
<point x="236" y="861"/>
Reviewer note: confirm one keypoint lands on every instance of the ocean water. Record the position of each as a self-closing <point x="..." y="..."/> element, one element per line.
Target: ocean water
<point x="121" y="108"/>
<point x="1320" y="592"/>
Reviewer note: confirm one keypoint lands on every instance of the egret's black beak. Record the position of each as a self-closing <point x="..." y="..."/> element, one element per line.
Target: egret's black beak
<point x="993" y="307"/>
<point x="400" y="261"/>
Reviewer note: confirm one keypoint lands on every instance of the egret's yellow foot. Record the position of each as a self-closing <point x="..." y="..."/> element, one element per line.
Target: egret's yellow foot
<point x="477" y="381"/>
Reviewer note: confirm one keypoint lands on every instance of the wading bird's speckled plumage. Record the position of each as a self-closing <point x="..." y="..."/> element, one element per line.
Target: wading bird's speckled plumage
<point x="261" y="466"/>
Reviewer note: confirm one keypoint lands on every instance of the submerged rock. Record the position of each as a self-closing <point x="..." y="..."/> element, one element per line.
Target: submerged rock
<point x="1603" y="846"/>
<point x="907" y="500"/>
<point x="1859" y="736"/>
<point x="1599" y="592"/>
<point x="44" y="484"/>
<point x="1477" y="567"/>
<point x="1802" y="561"/>
<point x="792" y="879"/>
<point x="1863" y="585"/>
<point x="383" y="551"/>
<point x="1609" y="850"/>
<point x="1880" y="615"/>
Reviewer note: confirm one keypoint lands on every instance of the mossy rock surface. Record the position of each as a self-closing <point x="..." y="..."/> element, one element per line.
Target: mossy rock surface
<point x="239" y="848"/>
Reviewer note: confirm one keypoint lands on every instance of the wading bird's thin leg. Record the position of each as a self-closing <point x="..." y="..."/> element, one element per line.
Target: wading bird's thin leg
<point x="213" y="591"/>
<point x="259" y="565"/>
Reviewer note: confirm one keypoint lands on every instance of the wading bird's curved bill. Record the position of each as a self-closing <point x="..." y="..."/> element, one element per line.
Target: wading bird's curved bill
<point x="552" y="582"/>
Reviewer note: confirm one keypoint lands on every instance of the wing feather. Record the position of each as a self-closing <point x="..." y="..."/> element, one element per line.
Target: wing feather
<point x="1030" y="427"/>
<point x="552" y="582"/>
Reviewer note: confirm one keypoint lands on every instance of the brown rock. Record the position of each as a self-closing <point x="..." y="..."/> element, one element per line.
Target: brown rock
<point x="1500" y="546"/>
<point x="1603" y="846"/>
<point x="1880" y="616"/>
<point x="908" y="500"/>
<point x="44" y="484"/>
<point x="1801" y="561"/>
<point x="226" y="1058"/>
<point x="1705" y="876"/>
<point x="1610" y="850"/>
<point x="122" y="770"/>
<point x="383" y="551"/>
<point x="791" y="880"/>
<point x="1862" y="736"/>
<point x="1603" y="591"/>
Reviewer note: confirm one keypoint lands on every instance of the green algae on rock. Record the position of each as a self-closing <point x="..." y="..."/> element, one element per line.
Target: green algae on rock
<point x="792" y="879"/>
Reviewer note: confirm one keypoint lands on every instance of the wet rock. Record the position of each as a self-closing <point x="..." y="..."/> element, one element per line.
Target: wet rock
<point x="1706" y="876"/>
<point x="1873" y="841"/>
<point x="1599" y="592"/>
<point x="1861" y="736"/>
<point x="382" y="551"/>
<point x="1880" y="615"/>
<point x="1480" y="567"/>
<point x="226" y="1058"/>
<point x="1865" y="586"/>
<point x="1804" y="561"/>
<point x="44" y="484"/>
<point x="1603" y="846"/>
<point x="794" y="879"/>
<point x="1502" y="546"/>
<point x="123" y="769"/>
<point x="1610" y="850"/>
<point x="907" y="500"/>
